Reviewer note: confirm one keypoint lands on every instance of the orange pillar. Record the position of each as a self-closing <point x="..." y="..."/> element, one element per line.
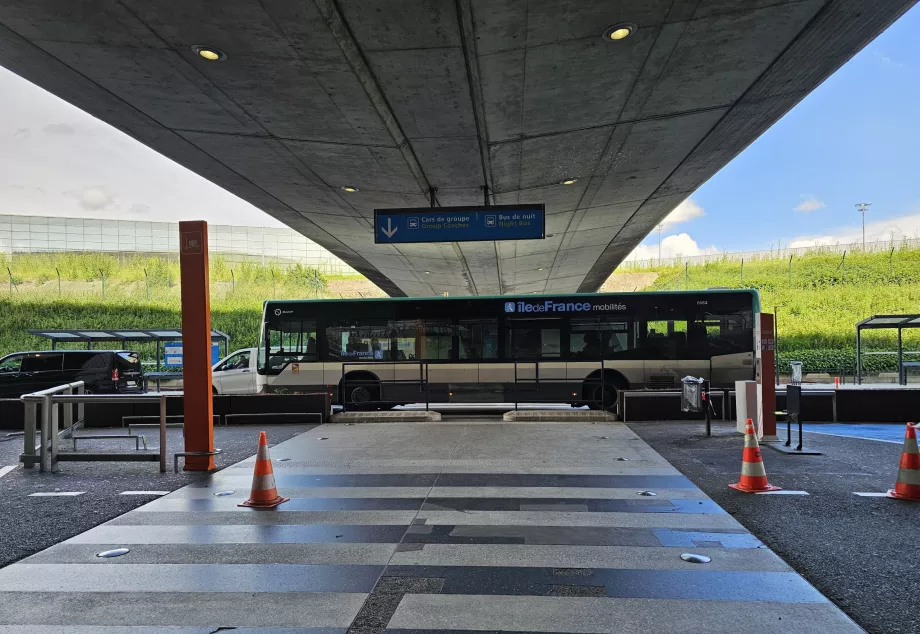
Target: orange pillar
<point x="767" y="377"/>
<point x="196" y="343"/>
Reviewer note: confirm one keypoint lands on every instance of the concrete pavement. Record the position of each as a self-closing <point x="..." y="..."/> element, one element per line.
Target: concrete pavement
<point x="410" y="528"/>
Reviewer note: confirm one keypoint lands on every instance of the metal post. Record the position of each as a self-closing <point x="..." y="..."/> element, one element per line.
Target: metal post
<point x="162" y="433"/>
<point x="146" y="284"/>
<point x="59" y="280"/>
<point x="789" y="278"/>
<point x="890" y="256"/>
<point x="858" y="355"/>
<point x="102" y="273"/>
<point x="55" y="418"/>
<point x="28" y="445"/>
<point x="232" y="283"/>
<point x="81" y="408"/>
<point x="46" y="429"/>
<point x="901" y="377"/>
<point x="707" y="405"/>
<point x="68" y="412"/>
<point x="834" y="407"/>
<point x="799" y="446"/>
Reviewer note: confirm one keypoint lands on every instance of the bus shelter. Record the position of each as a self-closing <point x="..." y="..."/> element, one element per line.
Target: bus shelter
<point x="887" y="322"/>
<point x="97" y="335"/>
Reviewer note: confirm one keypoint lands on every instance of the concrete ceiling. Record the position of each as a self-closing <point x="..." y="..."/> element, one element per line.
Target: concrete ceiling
<point x="396" y="97"/>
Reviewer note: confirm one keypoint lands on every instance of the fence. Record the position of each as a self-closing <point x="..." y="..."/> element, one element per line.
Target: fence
<point x="771" y="254"/>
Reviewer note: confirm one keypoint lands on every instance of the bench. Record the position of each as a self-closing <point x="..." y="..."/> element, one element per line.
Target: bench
<point x="299" y="417"/>
<point x="125" y="420"/>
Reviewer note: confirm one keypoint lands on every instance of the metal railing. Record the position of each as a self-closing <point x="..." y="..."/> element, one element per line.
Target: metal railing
<point x="46" y="454"/>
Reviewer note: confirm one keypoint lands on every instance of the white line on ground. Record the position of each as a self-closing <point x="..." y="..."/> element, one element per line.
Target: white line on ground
<point x="827" y="433"/>
<point x="144" y="492"/>
<point x="870" y="494"/>
<point x="782" y="492"/>
<point x="5" y="470"/>
<point x="51" y="494"/>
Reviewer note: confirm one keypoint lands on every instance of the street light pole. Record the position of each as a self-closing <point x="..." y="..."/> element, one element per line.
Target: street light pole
<point x="863" y="208"/>
<point x="660" y="227"/>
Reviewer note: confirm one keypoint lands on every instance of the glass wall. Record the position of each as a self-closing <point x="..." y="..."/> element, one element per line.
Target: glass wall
<point x="31" y="234"/>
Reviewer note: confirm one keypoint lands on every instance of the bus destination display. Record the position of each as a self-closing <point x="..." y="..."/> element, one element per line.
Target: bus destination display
<point x="459" y="224"/>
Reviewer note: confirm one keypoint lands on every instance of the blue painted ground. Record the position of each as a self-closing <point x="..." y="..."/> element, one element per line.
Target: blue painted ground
<point x="892" y="432"/>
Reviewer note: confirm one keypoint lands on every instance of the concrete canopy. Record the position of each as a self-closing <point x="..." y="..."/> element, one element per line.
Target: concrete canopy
<point x="399" y="97"/>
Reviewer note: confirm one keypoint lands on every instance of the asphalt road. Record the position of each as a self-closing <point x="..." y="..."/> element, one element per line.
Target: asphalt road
<point x="30" y="524"/>
<point x="861" y="552"/>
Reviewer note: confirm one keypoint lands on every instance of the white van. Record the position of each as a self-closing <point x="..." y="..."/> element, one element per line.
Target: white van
<point x="236" y="374"/>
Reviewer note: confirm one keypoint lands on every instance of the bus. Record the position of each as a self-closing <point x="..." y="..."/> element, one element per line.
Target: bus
<point x="578" y="349"/>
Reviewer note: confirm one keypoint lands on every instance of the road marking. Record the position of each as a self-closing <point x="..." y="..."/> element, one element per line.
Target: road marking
<point x="827" y="433"/>
<point x="144" y="492"/>
<point x="781" y="492"/>
<point x="870" y="494"/>
<point x="5" y="470"/>
<point x="51" y="494"/>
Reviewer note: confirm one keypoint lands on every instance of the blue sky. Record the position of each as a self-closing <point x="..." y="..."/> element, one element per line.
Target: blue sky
<point x="855" y="138"/>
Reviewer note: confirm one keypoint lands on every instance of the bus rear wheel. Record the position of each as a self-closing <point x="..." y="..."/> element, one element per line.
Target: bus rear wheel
<point x="362" y="394"/>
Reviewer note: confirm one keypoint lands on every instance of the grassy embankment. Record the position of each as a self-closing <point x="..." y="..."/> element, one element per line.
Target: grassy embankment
<point x="819" y="302"/>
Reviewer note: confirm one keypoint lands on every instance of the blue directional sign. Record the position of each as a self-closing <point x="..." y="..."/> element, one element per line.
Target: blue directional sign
<point x="460" y="224"/>
<point x="172" y="354"/>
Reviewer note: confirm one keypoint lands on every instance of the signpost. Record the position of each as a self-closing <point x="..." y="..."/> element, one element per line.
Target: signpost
<point x="459" y="224"/>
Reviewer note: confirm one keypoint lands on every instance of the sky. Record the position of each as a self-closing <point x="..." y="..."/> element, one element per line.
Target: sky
<point x="856" y="138"/>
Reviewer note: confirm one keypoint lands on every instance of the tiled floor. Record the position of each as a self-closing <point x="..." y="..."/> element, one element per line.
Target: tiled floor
<point x="411" y="528"/>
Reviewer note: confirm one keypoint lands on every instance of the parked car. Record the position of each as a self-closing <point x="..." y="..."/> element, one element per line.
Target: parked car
<point x="236" y="374"/>
<point x="102" y="371"/>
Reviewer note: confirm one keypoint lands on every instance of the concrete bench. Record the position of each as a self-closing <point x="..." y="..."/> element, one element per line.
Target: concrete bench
<point x="291" y="417"/>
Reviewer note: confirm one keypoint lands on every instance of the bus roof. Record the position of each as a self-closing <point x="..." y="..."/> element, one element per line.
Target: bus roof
<point x="755" y="295"/>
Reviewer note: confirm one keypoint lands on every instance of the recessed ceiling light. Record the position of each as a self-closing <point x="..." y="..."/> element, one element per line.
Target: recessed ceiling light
<point x="540" y="269"/>
<point x="620" y="31"/>
<point x="427" y="272"/>
<point x="569" y="181"/>
<point x="209" y="53"/>
<point x="349" y="189"/>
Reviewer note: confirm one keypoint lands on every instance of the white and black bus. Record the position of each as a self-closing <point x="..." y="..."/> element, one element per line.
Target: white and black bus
<point x="579" y="349"/>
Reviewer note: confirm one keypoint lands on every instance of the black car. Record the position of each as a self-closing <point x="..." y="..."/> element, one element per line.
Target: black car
<point x="102" y="371"/>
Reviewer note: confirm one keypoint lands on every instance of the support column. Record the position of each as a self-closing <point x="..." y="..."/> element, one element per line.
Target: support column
<point x="767" y="377"/>
<point x="196" y="344"/>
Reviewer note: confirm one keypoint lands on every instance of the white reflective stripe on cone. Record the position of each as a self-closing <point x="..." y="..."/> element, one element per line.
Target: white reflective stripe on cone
<point x="263" y="453"/>
<point x="263" y="483"/>
<point x="753" y="469"/>
<point x="909" y="476"/>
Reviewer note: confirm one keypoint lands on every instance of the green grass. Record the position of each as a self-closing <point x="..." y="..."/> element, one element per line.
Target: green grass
<point x="819" y="303"/>
<point x="133" y="300"/>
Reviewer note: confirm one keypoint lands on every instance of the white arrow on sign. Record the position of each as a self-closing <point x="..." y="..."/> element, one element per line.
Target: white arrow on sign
<point x="390" y="230"/>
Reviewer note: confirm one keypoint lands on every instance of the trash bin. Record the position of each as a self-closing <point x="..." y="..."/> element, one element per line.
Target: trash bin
<point x="796" y="373"/>
<point x="692" y="394"/>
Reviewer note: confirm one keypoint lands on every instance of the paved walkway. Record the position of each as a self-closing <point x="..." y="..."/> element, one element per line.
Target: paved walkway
<point x="418" y="528"/>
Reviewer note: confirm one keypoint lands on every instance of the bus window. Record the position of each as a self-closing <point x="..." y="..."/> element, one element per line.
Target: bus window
<point x="295" y="342"/>
<point x="730" y="333"/>
<point x="532" y="338"/>
<point x="593" y="338"/>
<point x="437" y="340"/>
<point x="665" y="340"/>
<point x="361" y="341"/>
<point x="478" y="339"/>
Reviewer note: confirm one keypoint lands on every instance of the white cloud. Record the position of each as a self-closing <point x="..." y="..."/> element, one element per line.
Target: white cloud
<point x="884" y="59"/>
<point x="92" y="198"/>
<point x="679" y="245"/>
<point x="139" y="209"/>
<point x="898" y="227"/>
<point x="809" y="203"/>
<point x="684" y="212"/>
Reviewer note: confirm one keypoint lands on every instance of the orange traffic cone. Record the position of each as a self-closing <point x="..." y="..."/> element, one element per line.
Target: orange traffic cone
<point x="753" y="476"/>
<point x="264" y="494"/>
<point x="908" y="485"/>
